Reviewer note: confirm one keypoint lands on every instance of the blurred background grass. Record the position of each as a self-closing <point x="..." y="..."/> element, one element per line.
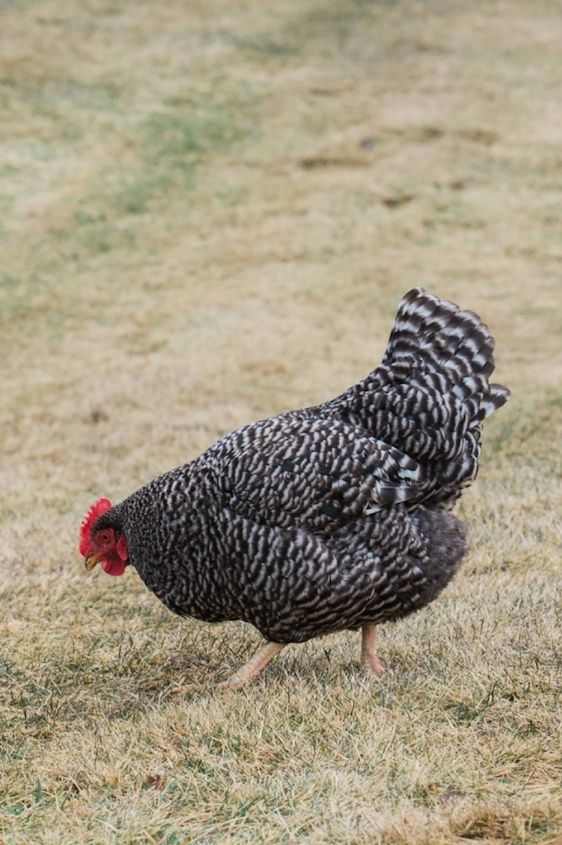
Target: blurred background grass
<point x="208" y="214"/>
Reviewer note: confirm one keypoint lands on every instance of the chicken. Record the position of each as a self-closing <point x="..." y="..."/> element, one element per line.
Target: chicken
<point x="327" y="518"/>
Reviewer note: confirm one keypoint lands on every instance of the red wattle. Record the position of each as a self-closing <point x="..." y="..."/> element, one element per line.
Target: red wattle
<point x="113" y="567"/>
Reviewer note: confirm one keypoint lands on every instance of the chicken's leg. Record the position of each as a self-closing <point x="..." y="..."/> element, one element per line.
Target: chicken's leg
<point x="253" y="667"/>
<point x="369" y="657"/>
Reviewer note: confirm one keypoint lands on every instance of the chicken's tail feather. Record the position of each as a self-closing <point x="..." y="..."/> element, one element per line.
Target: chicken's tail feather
<point x="440" y="341"/>
<point x="430" y="394"/>
<point x="441" y="335"/>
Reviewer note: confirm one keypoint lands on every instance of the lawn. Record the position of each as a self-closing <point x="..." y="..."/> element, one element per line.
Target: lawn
<point x="209" y="211"/>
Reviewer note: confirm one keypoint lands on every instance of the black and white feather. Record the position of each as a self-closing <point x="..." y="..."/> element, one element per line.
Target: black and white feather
<point x="332" y="516"/>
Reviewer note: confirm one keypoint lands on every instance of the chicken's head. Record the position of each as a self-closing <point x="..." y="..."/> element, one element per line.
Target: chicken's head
<point x="102" y="543"/>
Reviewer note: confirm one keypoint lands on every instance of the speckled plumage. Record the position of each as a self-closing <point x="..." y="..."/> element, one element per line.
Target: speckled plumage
<point x="332" y="516"/>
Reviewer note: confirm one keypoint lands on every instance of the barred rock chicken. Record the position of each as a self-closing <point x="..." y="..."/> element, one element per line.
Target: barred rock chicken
<point x="327" y="518"/>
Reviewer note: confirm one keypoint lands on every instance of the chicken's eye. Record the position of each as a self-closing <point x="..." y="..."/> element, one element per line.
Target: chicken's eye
<point x="103" y="537"/>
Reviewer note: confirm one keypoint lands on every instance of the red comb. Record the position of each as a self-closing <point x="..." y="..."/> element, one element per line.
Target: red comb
<point x="98" y="509"/>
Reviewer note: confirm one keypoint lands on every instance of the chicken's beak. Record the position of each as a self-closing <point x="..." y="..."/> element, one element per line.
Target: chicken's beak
<point x="91" y="561"/>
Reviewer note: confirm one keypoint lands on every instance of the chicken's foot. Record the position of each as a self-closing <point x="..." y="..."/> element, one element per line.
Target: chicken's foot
<point x="369" y="657"/>
<point x="254" y="666"/>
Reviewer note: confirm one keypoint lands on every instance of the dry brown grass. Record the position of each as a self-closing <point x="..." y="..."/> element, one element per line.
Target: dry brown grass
<point x="209" y="212"/>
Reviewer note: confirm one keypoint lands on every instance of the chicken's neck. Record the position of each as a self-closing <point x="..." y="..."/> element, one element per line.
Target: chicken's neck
<point x="164" y="522"/>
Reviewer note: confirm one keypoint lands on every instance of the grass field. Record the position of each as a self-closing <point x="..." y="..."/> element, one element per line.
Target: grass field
<point x="209" y="211"/>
